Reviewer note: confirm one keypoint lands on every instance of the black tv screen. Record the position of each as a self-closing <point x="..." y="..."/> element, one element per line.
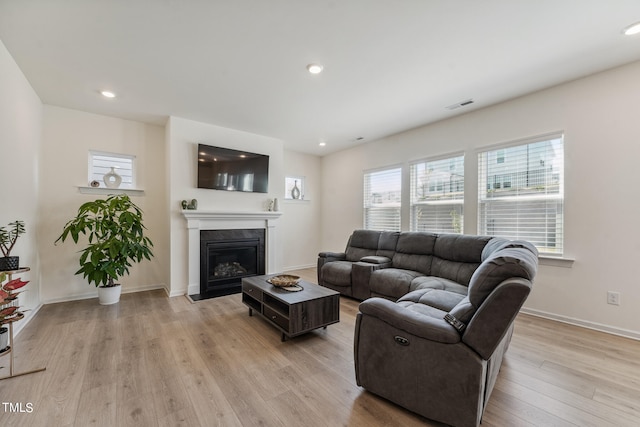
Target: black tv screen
<point x="232" y="170"/>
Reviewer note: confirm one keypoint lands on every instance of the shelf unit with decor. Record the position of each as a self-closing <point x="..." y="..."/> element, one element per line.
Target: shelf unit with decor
<point x="9" y="351"/>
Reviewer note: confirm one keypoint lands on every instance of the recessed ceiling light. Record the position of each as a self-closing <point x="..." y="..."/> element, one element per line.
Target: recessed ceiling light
<point x="108" y="94"/>
<point x="322" y="144"/>
<point x="632" y="29"/>
<point x="315" y="68"/>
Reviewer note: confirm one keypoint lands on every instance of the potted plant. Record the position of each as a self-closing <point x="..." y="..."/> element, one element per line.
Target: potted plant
<point x="116" y="239"/>
<point x="9" y="311"/>
<point x="8" y="237"/>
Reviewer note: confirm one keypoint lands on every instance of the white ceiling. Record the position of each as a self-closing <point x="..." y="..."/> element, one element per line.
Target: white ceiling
<point x="389" y="65"/>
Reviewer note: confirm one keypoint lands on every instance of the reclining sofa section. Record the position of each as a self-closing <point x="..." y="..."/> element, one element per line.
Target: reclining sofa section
<point x="435" y="341"/>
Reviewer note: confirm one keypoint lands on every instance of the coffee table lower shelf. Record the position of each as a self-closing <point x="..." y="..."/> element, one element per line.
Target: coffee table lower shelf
<point x="293" y="313"/>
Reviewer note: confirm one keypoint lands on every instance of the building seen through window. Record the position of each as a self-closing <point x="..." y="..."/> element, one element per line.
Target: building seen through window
<point x="521" y="193"/>
<point x="437" y="195"/>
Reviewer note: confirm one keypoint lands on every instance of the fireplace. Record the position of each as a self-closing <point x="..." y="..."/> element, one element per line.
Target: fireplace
<point x="226" y="256"/>
<point x="203" y="220"/>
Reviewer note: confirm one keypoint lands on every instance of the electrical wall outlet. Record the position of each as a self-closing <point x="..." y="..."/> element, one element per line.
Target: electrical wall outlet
<point x="613" y="298"/>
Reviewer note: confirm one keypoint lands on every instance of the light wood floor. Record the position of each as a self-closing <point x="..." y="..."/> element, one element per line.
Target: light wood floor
<point x="153" y="360"/>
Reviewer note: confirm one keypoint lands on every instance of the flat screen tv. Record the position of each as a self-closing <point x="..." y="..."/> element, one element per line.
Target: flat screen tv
<point x="232" y="170"/>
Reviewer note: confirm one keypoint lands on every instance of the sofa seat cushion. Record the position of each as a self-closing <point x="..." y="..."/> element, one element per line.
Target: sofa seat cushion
<point x="423" y="309"/>
<point x="337" y="273"/>
<point x="433" y="282"/>
<point x="392" y="282"/>
<point x="433" y="299"/>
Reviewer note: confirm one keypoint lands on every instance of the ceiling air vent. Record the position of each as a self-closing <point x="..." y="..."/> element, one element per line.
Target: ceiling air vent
<point x="460" y="104"/>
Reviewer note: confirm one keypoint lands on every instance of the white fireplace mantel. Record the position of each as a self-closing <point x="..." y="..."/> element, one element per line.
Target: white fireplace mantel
<point x="229" y="220"/>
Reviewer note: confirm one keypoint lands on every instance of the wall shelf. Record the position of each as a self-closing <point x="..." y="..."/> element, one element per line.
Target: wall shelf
<point x="109" y="191"/>
<point x="294" y="201"/>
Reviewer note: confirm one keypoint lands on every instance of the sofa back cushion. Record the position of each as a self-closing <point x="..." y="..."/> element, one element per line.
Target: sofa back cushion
<point x="414" y="251"/>
<point x="362" y="243"/>
<point x="387" y="243"/>
<point x="498" y="243"/>
<point x="456" y="257"/>
<point x="512" y="259"/>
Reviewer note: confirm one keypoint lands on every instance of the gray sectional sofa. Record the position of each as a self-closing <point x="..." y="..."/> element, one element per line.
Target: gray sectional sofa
<point x="436" y="317"/>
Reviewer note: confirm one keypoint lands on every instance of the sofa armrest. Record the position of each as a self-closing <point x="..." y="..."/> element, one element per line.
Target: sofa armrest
<point x="333" y="256"/>
<point x="494" y="317"/>
<point x="412" y="322"/>
<point x="361" y="275"/>
<point x="376" y="259"/>
<point x="326" y="257"/>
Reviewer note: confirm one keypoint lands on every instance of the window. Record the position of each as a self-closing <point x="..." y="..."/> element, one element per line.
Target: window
<point x="382" y="199"/>
<point x="521" y="193"/>
<point x="437" y="195"/>
<point x="294" y="187"/>
<point x="101" y="163"/>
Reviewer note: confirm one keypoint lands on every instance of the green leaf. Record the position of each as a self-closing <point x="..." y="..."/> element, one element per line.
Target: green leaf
<point x="115" y="233"/>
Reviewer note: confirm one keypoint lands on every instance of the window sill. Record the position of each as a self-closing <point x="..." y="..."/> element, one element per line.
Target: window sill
<point x="296" y="200"/>
<point x="555" y="261"/>
<point x="108" y="191"/>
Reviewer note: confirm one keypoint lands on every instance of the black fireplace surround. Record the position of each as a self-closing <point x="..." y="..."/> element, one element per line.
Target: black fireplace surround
<point x="226" y="256"/>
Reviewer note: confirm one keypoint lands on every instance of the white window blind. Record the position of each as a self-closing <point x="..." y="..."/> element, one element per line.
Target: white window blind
<point x="521" y="193"/>
<point x="437" y="195"/>
<point x="101" y="163"/>
<point x="382" y="198"/>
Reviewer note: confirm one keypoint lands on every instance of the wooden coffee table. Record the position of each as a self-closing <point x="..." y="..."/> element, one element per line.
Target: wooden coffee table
<point x="293" y="313"/>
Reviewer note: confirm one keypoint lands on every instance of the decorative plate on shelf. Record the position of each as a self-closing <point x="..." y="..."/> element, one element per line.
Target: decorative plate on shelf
<point x="284" y="280"/>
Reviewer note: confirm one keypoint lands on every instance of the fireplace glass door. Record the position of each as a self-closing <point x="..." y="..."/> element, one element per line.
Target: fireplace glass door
<point x="227" y="256"/>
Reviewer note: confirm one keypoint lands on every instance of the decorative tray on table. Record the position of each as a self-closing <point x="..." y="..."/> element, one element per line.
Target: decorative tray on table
<point x="288" y="282"/>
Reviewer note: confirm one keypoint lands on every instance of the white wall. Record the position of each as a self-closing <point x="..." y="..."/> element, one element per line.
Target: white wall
<point x="301" y="218"/>
<point x="68" y="135"/>
<point x="20" y="139"/>
<point x="182" y="137"/>
<point x="599" y="117"/>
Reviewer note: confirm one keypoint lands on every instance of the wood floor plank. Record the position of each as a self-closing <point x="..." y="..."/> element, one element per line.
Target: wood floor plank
<point x="97" y="407"/>
<point x="136" y="411"/>
<point x="562" y="390"/>
<point x="152" y="360"/>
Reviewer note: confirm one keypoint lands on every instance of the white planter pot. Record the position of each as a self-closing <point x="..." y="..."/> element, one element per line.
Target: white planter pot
<point x="4" y="338"/>
<point x="109" y="295"/>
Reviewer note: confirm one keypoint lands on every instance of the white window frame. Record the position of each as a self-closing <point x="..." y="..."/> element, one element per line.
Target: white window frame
<point x="100" y="163"/>
<point x="384" y="201"/>
<point x="524" y="208"/>
<point x="438" y="194"/>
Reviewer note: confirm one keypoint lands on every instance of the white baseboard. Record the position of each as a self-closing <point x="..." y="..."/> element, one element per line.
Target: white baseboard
<point x="94" y="294"/>
<point x="635" y="335"/>
<point x="19" y="326"/>
<point x="299" y="267"/>
<point x="178" y="293"/>
<point x="191" y="290"/>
